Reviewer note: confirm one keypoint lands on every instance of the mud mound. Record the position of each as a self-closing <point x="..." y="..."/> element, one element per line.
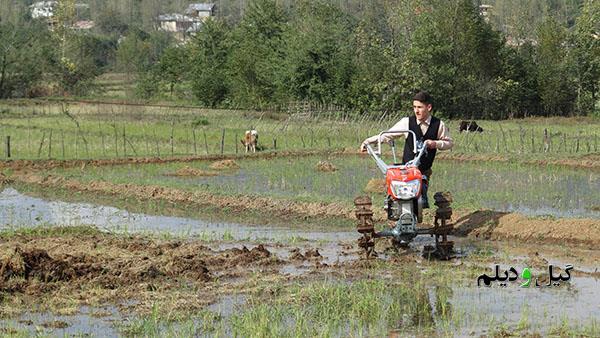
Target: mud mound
<point x="224" y="164"/>
<point x="488" y="224"/>
<point x="189" y="171"/>
<point x="4" y="179"/>
<point x="35" y="263"/>
<point x="375" y="185"/>
<point x="310" y="254"/>
<point x="325" y="166"/>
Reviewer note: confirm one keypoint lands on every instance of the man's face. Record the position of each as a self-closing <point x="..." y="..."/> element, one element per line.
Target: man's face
<point x="421" y="109"/>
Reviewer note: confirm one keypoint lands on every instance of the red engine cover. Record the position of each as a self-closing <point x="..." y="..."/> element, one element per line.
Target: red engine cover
<point x="401" y="174"/>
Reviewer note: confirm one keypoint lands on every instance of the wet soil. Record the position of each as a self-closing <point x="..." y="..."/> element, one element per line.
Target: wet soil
<point x="484" y="224"/>
<point x="590" y="161"/>
<point x="51" y="164"/>
<point x="96" y="267"/>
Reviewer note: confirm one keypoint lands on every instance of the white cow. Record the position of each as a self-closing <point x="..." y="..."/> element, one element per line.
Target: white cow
<point x="250" y="140"/>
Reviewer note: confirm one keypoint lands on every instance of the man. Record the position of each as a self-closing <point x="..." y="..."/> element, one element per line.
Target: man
<point x="429" y="129"/>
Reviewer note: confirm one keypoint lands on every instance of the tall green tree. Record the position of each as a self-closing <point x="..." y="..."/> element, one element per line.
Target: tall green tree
<point x="209" y="52"/>
<point x="25" y="55"/>
<point x="555" y="86"/>
<point x="256" y="53"/>
<point x="586" y="58"/>
<point x="318" y="57"/>
<point x="455" y="55"/>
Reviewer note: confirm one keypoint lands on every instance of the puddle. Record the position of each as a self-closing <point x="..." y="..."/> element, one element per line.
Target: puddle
<point x="88" y="322"/>
<point x="227" y="305"/>
<point x="19" y="210"/>
<point x="538" y="309"/>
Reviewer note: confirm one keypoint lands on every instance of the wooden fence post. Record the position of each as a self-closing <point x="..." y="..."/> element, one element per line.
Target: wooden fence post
<point x="172" y="141"/>
<point x="50" y="145"/>
<point x="62" y="143"/>
<point x="41" y="144"/>
<point x="194" y="136"/>
<point x="124" y="143"/>
<point x="7" y="146"/>
<point x="116" y="140"/>
<point x="103" y="146"/>
<point x="156" y="141"/>
<point x="223" y="141"/>
<point x="205" y="141"/>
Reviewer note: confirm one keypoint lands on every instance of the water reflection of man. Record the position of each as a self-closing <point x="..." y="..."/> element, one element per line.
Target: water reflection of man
<point x="428" y="128"/>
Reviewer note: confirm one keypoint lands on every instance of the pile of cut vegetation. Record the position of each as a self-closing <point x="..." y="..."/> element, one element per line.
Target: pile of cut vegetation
<point x="225" y="164"/>
<point x="189" y="171"/>
<point x="325" y="166"/>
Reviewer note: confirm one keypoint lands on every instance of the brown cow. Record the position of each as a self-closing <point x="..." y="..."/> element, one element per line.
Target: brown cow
<point x="469" y="126"/>
<point x="250" y="140"/>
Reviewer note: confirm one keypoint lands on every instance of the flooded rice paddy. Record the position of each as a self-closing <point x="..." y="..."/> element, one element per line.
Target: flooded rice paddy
<point x="507" y="187"/>
<point x="469" y="310"/>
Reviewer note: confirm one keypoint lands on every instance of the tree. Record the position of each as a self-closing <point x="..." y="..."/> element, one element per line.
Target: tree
<point x="208" y="55"/>
<point x="172" y="66"/>
<point x="256" y="54"/>
<point x="554" y="84"/>
<point x="455" y="55"/>
<point x="25" y="53"/>
<point x="318" y="56"/>
<point x="586" y="57"/>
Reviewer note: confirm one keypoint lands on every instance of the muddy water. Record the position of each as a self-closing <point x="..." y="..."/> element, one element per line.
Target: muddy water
<point x="19" y="210"/>
<point x="539" y="309"/>
<point x="528" y="189"/>
<point x="477" y="309"/>
<point x="89" y="321"/>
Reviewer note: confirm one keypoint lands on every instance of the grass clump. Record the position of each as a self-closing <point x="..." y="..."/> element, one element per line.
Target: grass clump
<point x="326" y="308"/>
<point x="51" y="231"/>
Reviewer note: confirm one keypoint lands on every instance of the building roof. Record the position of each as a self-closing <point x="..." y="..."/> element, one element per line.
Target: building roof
<point x="42" y="9"/>
<point x="177" y="17"/>
<point x="202" y="7"/>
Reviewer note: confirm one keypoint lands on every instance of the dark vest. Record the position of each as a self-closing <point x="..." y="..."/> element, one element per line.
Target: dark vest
<point x="431" y="134"/>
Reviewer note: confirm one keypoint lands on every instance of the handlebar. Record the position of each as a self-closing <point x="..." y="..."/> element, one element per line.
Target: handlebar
<point x="419" y="148"/>
<point x="396" y="132"/>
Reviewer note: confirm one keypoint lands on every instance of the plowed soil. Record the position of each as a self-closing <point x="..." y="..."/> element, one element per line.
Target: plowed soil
<point x="51" y="164"/>
<point x="98" y="267"/>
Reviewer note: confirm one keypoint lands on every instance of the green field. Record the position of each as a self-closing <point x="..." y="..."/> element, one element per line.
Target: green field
<point x="42" y="130"/>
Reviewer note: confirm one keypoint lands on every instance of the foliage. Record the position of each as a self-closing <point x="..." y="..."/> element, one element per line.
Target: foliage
<point x="208" y="56"/>
<point x="25" y="54"/>
<point x="522" y="58"/>
<point x="255" y="56"/>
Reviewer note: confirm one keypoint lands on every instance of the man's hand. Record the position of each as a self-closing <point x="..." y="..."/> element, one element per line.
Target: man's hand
<point x="363" y="147"/>
<point x="430" y="144"/>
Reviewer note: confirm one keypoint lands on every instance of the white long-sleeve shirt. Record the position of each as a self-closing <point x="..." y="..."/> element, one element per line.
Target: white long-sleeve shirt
<point x="444" y="141"/>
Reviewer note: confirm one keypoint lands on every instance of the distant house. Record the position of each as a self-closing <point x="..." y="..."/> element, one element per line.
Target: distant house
<point x="200" y="10"/>
<point x="179" y="25"/>
<point x="43" y="9"/>
<point x="184" y="25"/>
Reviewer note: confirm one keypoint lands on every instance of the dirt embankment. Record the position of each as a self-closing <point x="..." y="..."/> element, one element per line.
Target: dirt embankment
<point x="279" y="208"/>
<point x="480" y="223"/>
<point x="51" y="164"/>
<point x="102" y="267"/>
<point x="488" y="224"/>
<point x="590" y="161"/>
